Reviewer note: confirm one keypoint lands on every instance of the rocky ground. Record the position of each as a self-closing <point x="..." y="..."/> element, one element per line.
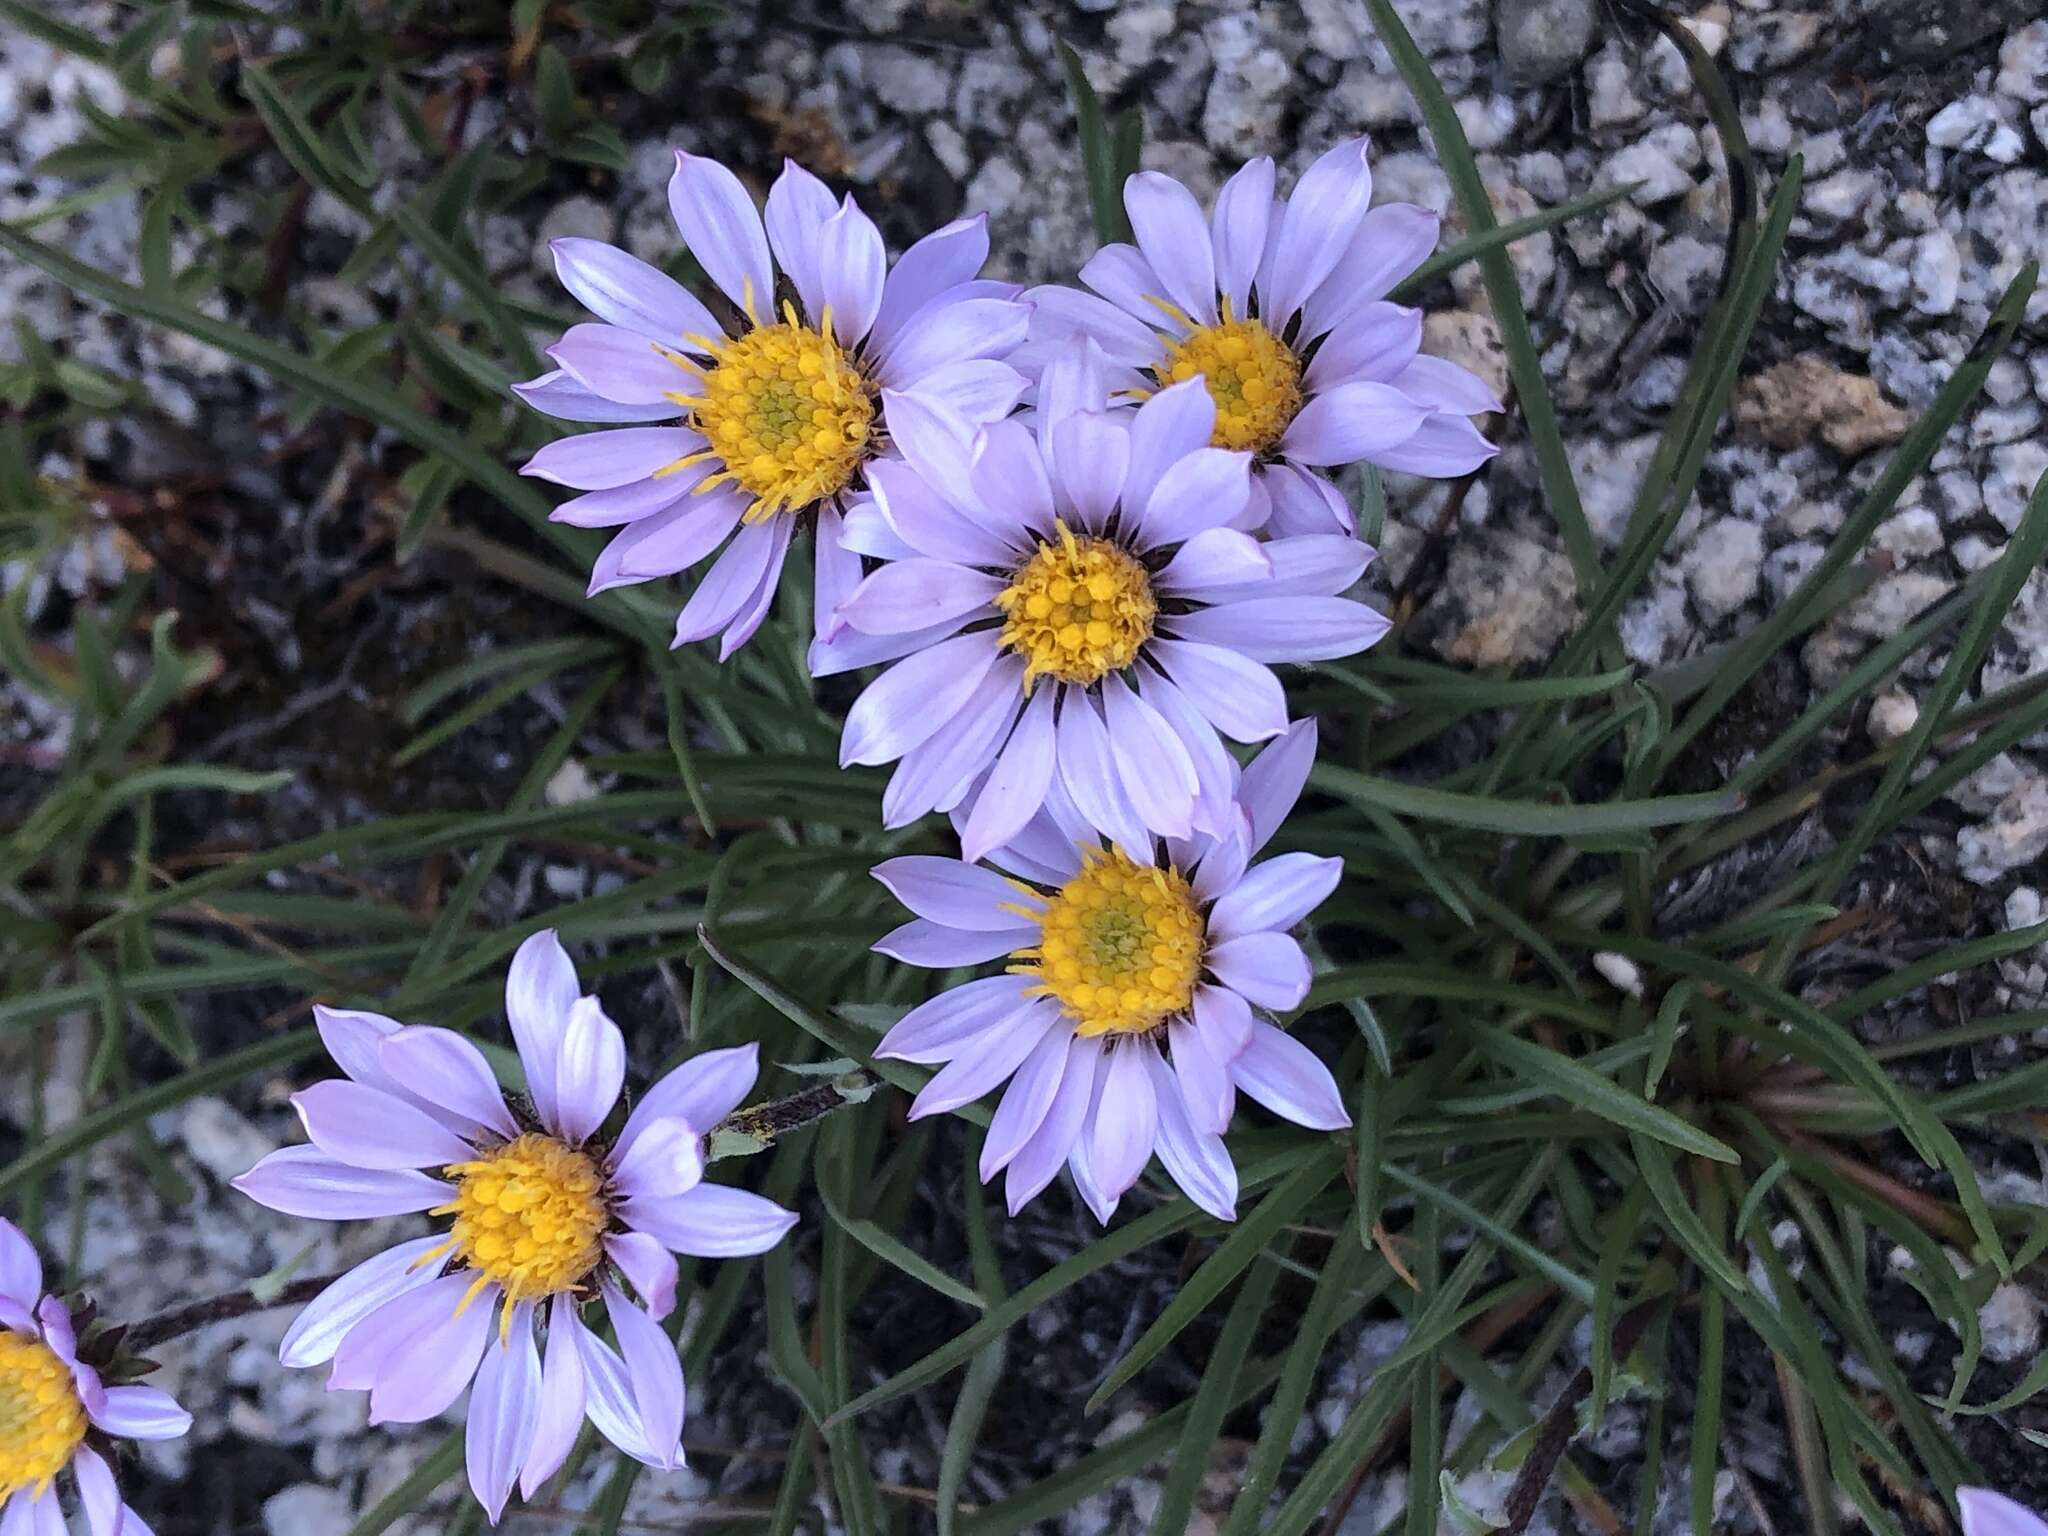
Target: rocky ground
<point x="1924" y="133"/>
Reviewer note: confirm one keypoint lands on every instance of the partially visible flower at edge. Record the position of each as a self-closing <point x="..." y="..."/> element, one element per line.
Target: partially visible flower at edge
<point x="1126" y="1022"/>
<point x="54" y="1407"/>
<point x="1989" y="1513"/>
<point x="1280" y="306"/>
<point x="778" y="421"/>
<point x="1079" y="607"/>
<point x="546" y="1219"/>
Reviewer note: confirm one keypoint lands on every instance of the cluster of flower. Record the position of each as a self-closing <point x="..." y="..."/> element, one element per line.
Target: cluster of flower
<point x="1079" y="527"/>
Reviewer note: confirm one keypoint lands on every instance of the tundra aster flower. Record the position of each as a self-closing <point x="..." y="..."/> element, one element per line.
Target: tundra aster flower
<point x="1124" y="1022"/>
<point x="543" y="1219"/>
<point x="1280" y="307"/>
<point x="1986" y="1513"/>
<point x="56" y="1412"/>
<point x="776" y="420"/>
<point x="1078" y="607"/>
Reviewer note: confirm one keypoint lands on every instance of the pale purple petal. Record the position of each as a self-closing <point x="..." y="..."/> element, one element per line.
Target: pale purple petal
<point x="1201" y="1080"/>
<point x="697" y="528"/>
<point x="625" y="504"/>
<point x="700" y="1092"/>
<point x="798" y="206"/>
<point x="1275" y="895"/>
<point x="1059" y="314"/>
<point x="1215" y="811"/>
<point x="540" y="989"/>
<point x="978" y="388"/>
<point x="1122" y="275"/>
<point x="995" y="1056"/>
<point x="1273" y="780"/>
<point x="722" y="230"/>
<point x="1442" y="448"/>
<point x="1268" y="969"/>
<point x="651" y="1268"/>
<point x="1090" y="453"/>
<point x="422" y="1377"/>
<point x="655" y="1372"/>
<point x="942" y="260"/>
<point x="934" y="439"/>
<point x="908" y="595"/>
<point x="622" y="365"/>
<point x="1224" y="1020"/>
<point x="940" y="334"/>
<point x="390" y="1329"/>
<point x="1304" y="504"/>
<point x="1305" y="565"/>
<point x="1008" y="478"/>
<point x="958" y="894"/>
<point x="1446" y="386"/>
<point x="1038" y="1161"/>
<point x="590" y="1069"/>
<point x="1375" y="342"/>
<point x="623" y="290"/>
<point x="1286" y="1076"/>
<point x="1392" y="241"/>
<point x="1204" y="489"/>
<point x="1173" y="237"/>
<point x="449" y="1072"/>
<point x="666" y="1158"/>
<point x="938" y="772"/>
<point x="712" y="1221"/>
<point x="1286" y="628"/>
<point x="608" y="1398"/>
<point x="1321" y="217"/>
<point x="1238" y="226"/>
<point x="303" y="1181"/>
<point x="732" y="579"/>
<point x="1025" y="1102"/>
<point x="1986" y="1513"/>
<point x="1157" y="772"/>
<point x="921" y="522"/>
<point x="1238" y="696"/>
<point x="317" y="1332"/>
<point x="97" y="1491"/>
<point x="755" y="608"/>
<point x="1016" y="788"/>
<point x="835" y="572"/>
<point x="560" y="1415"/>
<point x="1214" y="557"/>
<point x="851" y="266"/>
<point x="1197" y="1159"/>
<point x="141" y="1413"/>
<point x="600" y="461"/>
<point x="21" y="1269"/>
<point x="504" y="1410"/>
<point x="1075" y="379"/>
<point x="54" y="1321"/>
<point x="45" y="1513"/>
<point x="1088" y="771"/>
<point x="935" y="946"/>
<point x="1125" y="1125"/>
<point x="1352" y="422"/>
<point x="556" y="393"/>
<point x="1165" y="429"/>
<point x="941" y="1027"/>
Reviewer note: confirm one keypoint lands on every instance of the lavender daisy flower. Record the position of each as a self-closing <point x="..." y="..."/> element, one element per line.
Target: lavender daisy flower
<point x="1079" y="608"/>
<point x="1986" y="1513"/>
<point x="1125" y="1022"/>
<point x="544" y="1218"/>
<point x="56" y="1413"/>
<point x="1280" y="306"/>
<point x="776" y="421"/>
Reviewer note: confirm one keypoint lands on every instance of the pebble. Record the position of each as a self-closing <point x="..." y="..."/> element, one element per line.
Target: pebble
<point x="1808" y="397"/>
<point x="307" y="1509"/>
<point x="1543" y="40"/>
<point x="2023" y="63"/>
<point x="2010" y="1322"/>
<point x="1506" y="600"/>
<point x="2015" y="835"/>
<point x="2015" y="469"/>
<point x="1724" y="566"/>
<point x="221" y="1139"/>
<point x="1892" y="716"/>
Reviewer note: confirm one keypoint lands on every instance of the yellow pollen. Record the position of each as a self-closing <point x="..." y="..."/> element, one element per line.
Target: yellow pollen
<point x="529" y="1215"/>
<point x="1252" y="375"/>
<point x="786" y="409"/>
<point x="1120" y="946"/>
<point x="41" y="1420"/>
<point x="1078" y="610"/>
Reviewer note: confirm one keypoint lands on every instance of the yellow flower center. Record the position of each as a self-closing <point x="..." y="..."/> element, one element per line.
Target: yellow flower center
<point x="1120" y="946"/>
<point x="785" y="409"/>
<point x="1252" y="375"/>
<point x="41" y="1420"/>
<point x="529" y="1215"/>
<point x="1077" y="610"/>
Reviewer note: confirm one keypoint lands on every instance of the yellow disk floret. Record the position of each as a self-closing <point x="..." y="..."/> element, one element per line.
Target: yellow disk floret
<point x="41" y="1420"/>
<point x="1078" y="610"/>
<point x="785" y="409"/>
<point x="1252" y="375"/>
<point x="529" y="1215"/>
<point x="1120" y="947"/>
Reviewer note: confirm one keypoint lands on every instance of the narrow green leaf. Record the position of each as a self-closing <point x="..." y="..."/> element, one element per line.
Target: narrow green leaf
<point x="1099" y="153"/>
<point x="1528" y="818"/>
<point x="1601" y="1096"/>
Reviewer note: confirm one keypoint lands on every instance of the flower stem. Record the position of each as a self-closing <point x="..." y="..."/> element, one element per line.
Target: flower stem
<point x="175" y="1324"/>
